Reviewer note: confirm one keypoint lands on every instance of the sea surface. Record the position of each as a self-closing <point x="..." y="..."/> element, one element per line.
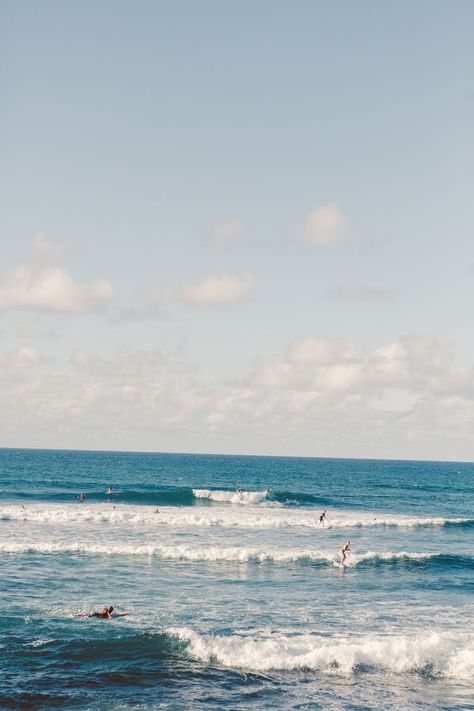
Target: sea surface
<point x="236" y="600"/>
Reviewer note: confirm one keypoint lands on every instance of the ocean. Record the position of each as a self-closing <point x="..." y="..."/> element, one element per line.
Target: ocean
<point x="236" y="599"/>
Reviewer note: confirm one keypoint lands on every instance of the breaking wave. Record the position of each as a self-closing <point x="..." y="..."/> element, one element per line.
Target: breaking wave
<point x="235" y="554"/>
<point x="430" y="654"/>
<point x="247" y="517"/>
<point x="231" y="497"/>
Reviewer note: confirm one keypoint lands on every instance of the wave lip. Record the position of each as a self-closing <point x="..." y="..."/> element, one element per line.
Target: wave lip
<point x="231" y="497"/>
<point x="430" y="654"/>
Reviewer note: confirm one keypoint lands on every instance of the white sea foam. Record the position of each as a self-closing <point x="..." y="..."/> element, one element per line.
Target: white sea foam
<point x="232" y="497"/>
<point x="432" y="653"/>
<point x="246" y="517"/>
<point x="38" y="643"/>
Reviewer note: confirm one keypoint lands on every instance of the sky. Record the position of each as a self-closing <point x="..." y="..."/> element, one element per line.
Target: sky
<point x="238" y="227"/>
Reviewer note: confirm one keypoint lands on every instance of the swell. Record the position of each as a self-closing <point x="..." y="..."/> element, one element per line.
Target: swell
<point x="172" y="496"/>
<point x="234" y="554"/>
<point x="165" y="497"/>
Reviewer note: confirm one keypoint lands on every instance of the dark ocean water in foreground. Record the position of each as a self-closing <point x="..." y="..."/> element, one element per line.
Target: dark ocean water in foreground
<point x="235" y="600"/>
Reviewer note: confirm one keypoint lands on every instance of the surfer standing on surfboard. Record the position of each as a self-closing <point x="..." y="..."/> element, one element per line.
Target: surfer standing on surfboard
<point x="344" y="550"/>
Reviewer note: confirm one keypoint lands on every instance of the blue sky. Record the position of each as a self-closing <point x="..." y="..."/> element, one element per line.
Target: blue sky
<point x="196" y="192"/>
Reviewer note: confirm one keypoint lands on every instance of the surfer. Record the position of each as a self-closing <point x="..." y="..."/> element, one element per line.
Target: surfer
<point x="110" y="491"/>
<point x="323" y="518"/>
<point x="238" y="491"/>
<point x="104" y="614"/>
<point x="344" y="550"/>
<point x="81" y="496"/>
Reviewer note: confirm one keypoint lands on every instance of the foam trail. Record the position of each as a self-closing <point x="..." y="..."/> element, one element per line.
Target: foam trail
<point x="432" y="653"/>
<point x="231" y="497"/>
<point x="179" y="552"/>
<point x="246" y="517"/>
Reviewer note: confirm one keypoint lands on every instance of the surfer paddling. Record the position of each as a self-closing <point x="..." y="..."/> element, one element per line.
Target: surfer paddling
<point x="106" y="613"/>
<point x="344" y="551"/>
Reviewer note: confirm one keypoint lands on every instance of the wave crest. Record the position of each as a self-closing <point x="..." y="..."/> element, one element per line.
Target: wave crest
<point x="261" y="517"/>
<point x="231" y="497"/>
<point x="234" y="554"/>
<point x="432" y="654"/>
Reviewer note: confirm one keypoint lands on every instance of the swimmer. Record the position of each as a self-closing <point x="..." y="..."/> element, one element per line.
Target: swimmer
<point x="110" y="491"/>
<point x="238" y="491"/>
<point x="81" y="497"/>
<point x="344" y="550"/>
<point x="323" y="518"/>
<point x="157" y="511"/>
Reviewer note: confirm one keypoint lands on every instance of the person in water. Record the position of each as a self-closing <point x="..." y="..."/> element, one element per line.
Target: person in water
<point x="344" y="551"/>
<point x="110" y="491"/>
<point x="81" y="497"/>
<point x="104" y="614"/>
<point x="323" y="518"/>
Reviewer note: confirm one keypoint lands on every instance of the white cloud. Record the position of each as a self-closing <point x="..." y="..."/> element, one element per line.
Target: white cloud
<point x="20" y="359"/>
<point x="320" y="351"/>
<point x="324" y="226"/>
<point x="50" y="289"/>
<point x="214" y="290"/>
<point x="404" y="398"/>
<point x="43" y="286"/>
<point x="45" y="251"/>
<point x="210" y="291"/>
<point x="226" y="232"/>
<point x="360" y="292"/>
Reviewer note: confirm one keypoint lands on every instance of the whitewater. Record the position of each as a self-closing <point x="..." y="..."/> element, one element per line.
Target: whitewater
<point x="235" y="590"/>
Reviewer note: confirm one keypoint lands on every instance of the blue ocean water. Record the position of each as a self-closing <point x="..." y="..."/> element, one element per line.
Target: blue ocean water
<point x="236" y="599"/>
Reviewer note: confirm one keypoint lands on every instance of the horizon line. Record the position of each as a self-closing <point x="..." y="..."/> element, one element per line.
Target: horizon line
<point x="228" y="454"/>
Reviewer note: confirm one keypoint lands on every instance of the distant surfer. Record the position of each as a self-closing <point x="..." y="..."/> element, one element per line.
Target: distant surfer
<point x="157" y="511"/>
<point x="344" y="551"/>
<point x="106" y="613"/>
<point x="238" y="491"/>
<point x="323" y="518"/>
<point x="110" y="491"/>
<point x="81" y="496"/>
